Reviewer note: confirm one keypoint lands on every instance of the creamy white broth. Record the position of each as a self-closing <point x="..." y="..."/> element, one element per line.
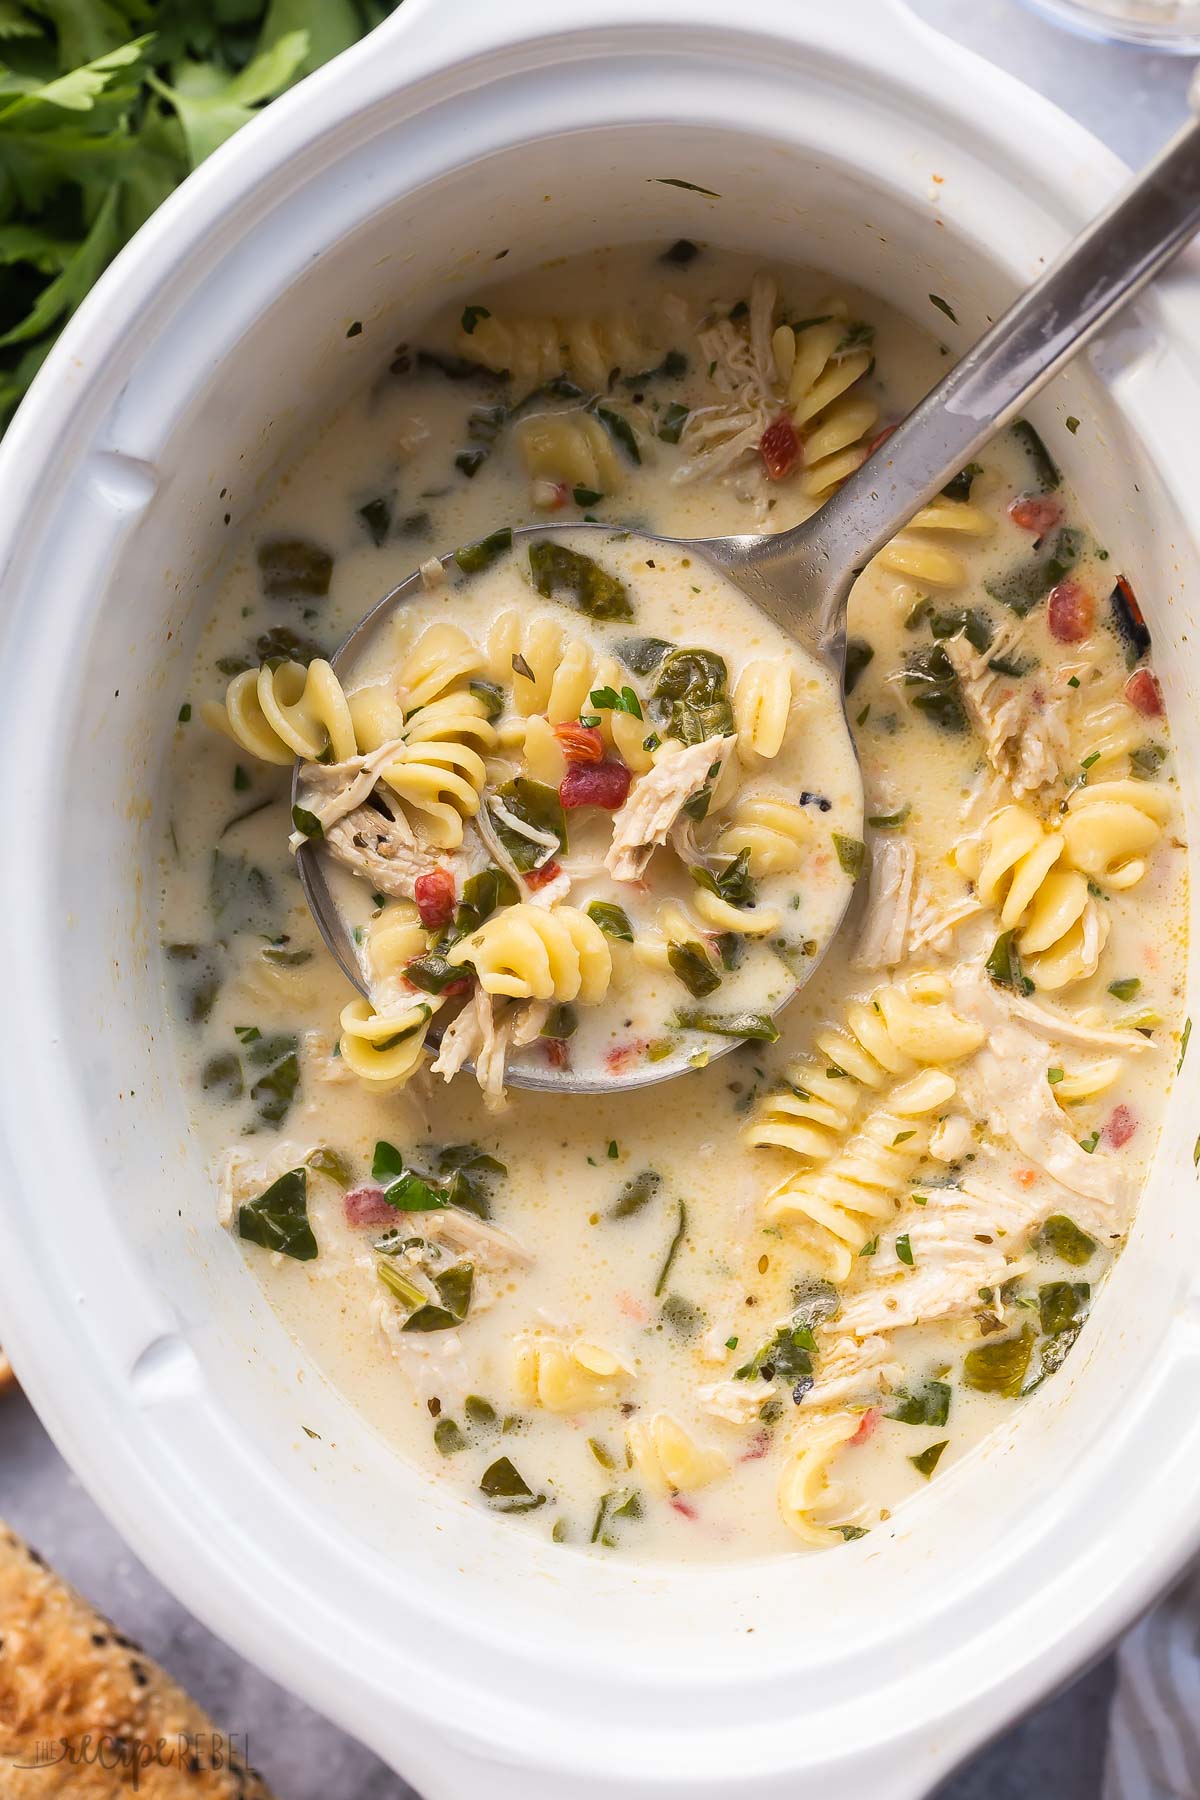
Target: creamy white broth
<point x="740" y="1268"/>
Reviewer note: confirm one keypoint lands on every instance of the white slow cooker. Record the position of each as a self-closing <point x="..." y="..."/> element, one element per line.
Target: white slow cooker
<point x="476" y="1660"/>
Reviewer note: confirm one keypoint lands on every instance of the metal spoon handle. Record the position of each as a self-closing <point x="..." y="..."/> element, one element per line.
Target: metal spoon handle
<point x="1148" y="225"/>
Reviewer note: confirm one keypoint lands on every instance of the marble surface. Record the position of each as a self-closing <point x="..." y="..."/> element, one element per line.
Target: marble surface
<point x="1132" y="100"/>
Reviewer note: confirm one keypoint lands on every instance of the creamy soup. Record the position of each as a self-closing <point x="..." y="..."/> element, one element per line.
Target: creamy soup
<point x="753" y="1308"/>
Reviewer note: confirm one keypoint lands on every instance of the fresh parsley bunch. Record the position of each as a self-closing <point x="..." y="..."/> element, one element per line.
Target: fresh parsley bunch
<point x="105" y="106"/>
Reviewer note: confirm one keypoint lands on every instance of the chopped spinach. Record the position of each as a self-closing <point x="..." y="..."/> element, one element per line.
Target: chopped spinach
<point x="1045" y="469"/>
<point x="691" y="696"/>
<point x="294" y="569"/>
<point x="461" y="368"/>
<point x="959" y="486"/>
<point x="1065" y="1238"/>
<point x="455" y="1287"/>
<point x="621" y="432"/>
<point x="332" y="1164"/>
<point x="638" y="1191"/>
<point x="221" y="1076"/>
<point x="1004" y="964"/>
<point x="197" y="971"/>
<point x="473" y="558"/>
<point x="752" y="1027"/>
<point x="672" y="1250"/>
<point x="612" y="919"/>
<point x="536" y="804"/>
<point x="682" y="1318"/>
<point x="448" y="1437"/>
<point x="279" y="643"/>
<point x="240" y="895"/>
<point x="595" y="592"/>
<point x="932" y="677"/>
<point x="275" y="1089"/>
<point x="506" y="1489"/>
<point x="1025" y="586"/>
<point x="376" y="516"/>
<point x="929" y="1458"/>
<point x="732" y="884"/>
<point x="641" y="654"/>
<point x="674" y="418"/>
<point x="481" y="895"/>
<point x="278" y="1219"/>
<point x="858" y="654"/>
<point x="1000" y="1367"/>
<point x="930" y="1405"/>
<point x="562" y="1022"/>
<point x="681" y="253"/>
<point x="850" y="854"/>
<point x="1062" y="1305"/>
<point x="691" y="964"/>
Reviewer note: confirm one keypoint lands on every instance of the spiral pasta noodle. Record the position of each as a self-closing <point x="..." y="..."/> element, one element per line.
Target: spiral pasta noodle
<point x="668" y="1457"/>
<point x="818" y="372"/>
<point x="922" y="551"/>
<point x="805" y="1486"/>
<point x="555" y="676"/>
<point x="569" y="447"/>
<point x="282" y="712"/>
<point x="762" y="701"/>
<point x="586" y="347"/>
<point x="567" y="1378"/>
<point x="776" y="834"/>
<point x="529" y="952"/>
<point x="384" y="1049"/>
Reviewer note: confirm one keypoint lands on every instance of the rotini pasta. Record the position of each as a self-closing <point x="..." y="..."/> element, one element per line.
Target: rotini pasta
<point x="805" y="1487"/>
<point x="843" y="1202"/>
<point x="922" y="552"/>
<point x="818" y="366"/>
<point x="555" y="676"/>
<point x="762" y="700"/>
<point x="280" y="713"/>
<point x="1020" y="867"/>
<point x="384" y="1049"/>
<point x="669" y="1459"/>
<point x="588" y="348"/>
<point x="571" y="448"/>
<point x="775" y="833"/>
<point x="567" y="1378"/>
<point x="530" y="952"/>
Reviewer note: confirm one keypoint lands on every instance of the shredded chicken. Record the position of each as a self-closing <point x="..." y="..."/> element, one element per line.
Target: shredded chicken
<point x="850" y="1369"/>
<point x="242" y="1177"/>
<point x="1023" y="727"/>
<point x="527" y="1024"/>
<point x="478" y="1034"/>
<point x="737" y="1402"/>
<point x="655" y="801"/>
<point x="382" y="849"/>
<point x="347" y="786"/>
<point x="487" y="1246"/>
<point x="1005" y="1083"/>
<point x="717" y="438"/>
<point x="886" y="922"/>
<point x="432" y="1361"/>
<point x="932" y="926"/>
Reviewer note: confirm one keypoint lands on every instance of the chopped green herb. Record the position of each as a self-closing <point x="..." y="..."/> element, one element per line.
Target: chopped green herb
<point x="682" y="1318"/>
<point x="492" y="697"/>
<point x="607" y="699"/>
<point x="870" y="1247"/>
<point x="681" y="253"/>
<point x="641" y="654"/>
<point x="1089" y="1143"/>
<point x="455" y="1287"/>
<point x="932" y="677"/>
<point x="672" y="1251"/>
<point x="185" y="713"/>
<point x="307" y="823"/>
<point x="1184" y="1040"/>
<point x="1146" y="760"/>
<point x="471" y="316"/>
<point x="275" y="1089"/>
<point x="945" y="307"/>
<point x="469" y="463"/>
<point x="535" y="804"/>
<point x="278" y="1219"/>
<point x="890" y="821"/>
<point x="448" y="1438"/>
<point x="481" y="895"/>
<point x="294" y="569"/>
<point x="585" y="496"/>
<point x="692" y="188"/>
<point x="1072" y="424"/>
<point x="1062" y="1305"/>
<point x="904" y="1249"/>
<point x="928" y="1460"/>
<point x="1054" y="1076"/>
<point x="562" y="1022"/>
<point x="329" y="1163"/>
<point x="959" y="486"/>
<point x="732" y="883"/>
<point x="221" y="1076"/>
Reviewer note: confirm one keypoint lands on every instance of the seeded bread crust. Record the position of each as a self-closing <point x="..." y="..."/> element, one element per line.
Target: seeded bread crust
<point x="85" y="1714"/>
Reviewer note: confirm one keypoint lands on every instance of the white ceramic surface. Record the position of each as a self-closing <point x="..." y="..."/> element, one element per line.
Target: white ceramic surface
<point x="469" y="1656"/>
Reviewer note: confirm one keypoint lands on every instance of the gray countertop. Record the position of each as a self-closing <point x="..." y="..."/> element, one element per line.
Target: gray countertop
<point x="1132" y="101"/>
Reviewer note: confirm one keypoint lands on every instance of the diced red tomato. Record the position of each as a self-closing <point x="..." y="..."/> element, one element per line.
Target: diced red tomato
<point x="1036" y="512"/>
<point x="1122" y="1123"/>
<point x="434" y="895"/>
<point x="557" y="1053"/>
<point x="684" y="1506"/>
<point x="1143" y="692"/>
<point x="779" y="447"/>
<point x="1072" y="612"/>
<point x="1025" y="1177"/>
<point x="759" y="1444"/>
<point x="880" y="438"/>
<point x="581" y="743"/>
<point x="540" y="878"/>
<point x="870" y="1420"/>
<point x="595" y="784"/>
<point x="454" y="990"/>
<point x="367" y="1206"/>
<point x="621" y="1055"/>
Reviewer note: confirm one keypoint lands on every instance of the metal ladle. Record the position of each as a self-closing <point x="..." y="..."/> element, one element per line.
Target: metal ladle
<point x="802" y="578"/>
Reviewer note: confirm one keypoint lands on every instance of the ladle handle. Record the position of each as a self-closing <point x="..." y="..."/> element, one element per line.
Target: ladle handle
<point x="1144" y="228"/>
